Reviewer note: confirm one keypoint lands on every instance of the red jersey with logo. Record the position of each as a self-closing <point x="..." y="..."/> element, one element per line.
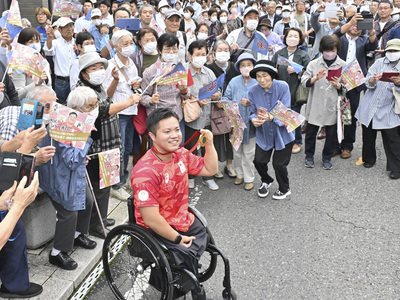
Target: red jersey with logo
<point x="166" y="185"/>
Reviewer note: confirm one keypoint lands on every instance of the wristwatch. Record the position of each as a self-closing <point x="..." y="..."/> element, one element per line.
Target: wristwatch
<point x="178" y="239"/>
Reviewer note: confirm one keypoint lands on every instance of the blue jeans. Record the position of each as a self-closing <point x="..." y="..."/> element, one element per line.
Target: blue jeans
<point x="127" y="131"/>
<point x="297" y="133"/>
<point x="62" y="89"/>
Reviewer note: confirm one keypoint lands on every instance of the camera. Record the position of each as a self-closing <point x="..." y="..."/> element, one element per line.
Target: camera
<point x="13" y="167"/>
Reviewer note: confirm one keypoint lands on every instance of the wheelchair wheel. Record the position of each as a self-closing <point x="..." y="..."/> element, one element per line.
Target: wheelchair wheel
<point x="208" y="261"/>
<point x="135" y="267"/>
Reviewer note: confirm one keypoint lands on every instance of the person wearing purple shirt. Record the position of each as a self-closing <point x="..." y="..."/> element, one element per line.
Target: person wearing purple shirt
<point x="274" y="40"/>
<point x="271" y="134"/>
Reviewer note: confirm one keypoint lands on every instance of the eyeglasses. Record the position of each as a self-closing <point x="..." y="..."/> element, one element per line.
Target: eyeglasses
<point x="170" y="50"/>
<point x="384" y="8"/>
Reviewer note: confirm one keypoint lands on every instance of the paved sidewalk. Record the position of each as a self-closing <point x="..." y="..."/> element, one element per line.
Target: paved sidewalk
<point x="59" y="284"/>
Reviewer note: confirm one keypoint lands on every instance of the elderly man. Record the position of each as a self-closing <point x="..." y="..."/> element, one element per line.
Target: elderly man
<point x="243" y="38"/>
<point x="146" y="15"/>
<point x="350" y="11"/>
<point x="354" y="45"/>
<point x="271" y="13"/>
<point x="172" y="22"/>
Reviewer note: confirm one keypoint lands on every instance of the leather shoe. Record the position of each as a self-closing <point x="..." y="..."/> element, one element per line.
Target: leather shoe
<point x="249" y="186"/>
<point x="109" y="222"/>
<point x="238" y="180"/>
<point x="98" y="232"/>
<point x="394" y="175"/>
<point x="336" y="152"/>
<point x="63" y="260"/>
<point x="368" y="165"/>
<point x="84" y="242"/>
<point x="32" y="291"/>
<point x="345" y="154"/>
<point x="322" y="134"/>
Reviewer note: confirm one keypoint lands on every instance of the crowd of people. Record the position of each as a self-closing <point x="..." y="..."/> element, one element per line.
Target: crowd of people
<point x="209" y="38"/>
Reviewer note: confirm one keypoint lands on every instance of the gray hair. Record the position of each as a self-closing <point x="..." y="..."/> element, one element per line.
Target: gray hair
<point x="118" y="35"/>
<point x="80" y="96"/>
<point x="352" y="8"/>
<point x="271" y="2"/>
<point x="219" y="42"/>
<point x="145" y="5"/>
<point x="28" y="23"/>
<point x="37" y="91"/>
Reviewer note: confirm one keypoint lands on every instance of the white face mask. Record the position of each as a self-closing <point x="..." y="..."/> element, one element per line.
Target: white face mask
<point x="164" y="10"/>
<point x="96" y="22"/>
<point x="246" y="71"/>
<point x="46" y="119"/>
<point x="223" y="20"/>
<point x="233" y="10"/>
<point x="127" y="51"/>
<point x="286" y="14"/>
<point x="36" y="46"/>
<point x="150" y="47"/>
<point x="252" y="25"/>
<point x="213" y="19"/>
<point x="278" y="12"/>
<point x="186" y="15"/>
<point x="199" y="61"/>
<point x="89" y="48"/>
<point x="97" y="77"/>
<point x="393" y="56"/>
<point x="222" y="57"/>
<point x="92" y="115"/>
<point x="170" y="57"/>
<point x="57" y="34"/>
<point x="202" y="36"/>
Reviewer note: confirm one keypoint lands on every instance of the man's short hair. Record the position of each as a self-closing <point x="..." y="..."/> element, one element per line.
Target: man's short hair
<point x="143" y="6"/>
<point x="387" y="2"/>
<point x="37" y="91"/>
<point x="197" y="44"/>
<point x="157" y="115"/>
<point x="105" y="2"/>
<point x="121" y="9"/>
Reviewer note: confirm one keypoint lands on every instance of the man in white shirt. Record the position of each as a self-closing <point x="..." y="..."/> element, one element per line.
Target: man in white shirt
<point x="172" y="22"/>
<point x="105" y="6"/>
<point x="82" y="22"/>
<point x="163" y="8"/>
<point x="63" y="53"/>
<point x="197" y="8"/>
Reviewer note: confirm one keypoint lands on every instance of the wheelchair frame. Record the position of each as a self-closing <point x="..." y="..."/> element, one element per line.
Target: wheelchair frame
<point x="152" y="256"/>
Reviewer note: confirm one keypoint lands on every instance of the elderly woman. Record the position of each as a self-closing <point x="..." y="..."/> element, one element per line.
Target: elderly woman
<point x="107" y="137"/>
<point x="237" y="91"/>
<point x="293" y="40"/>
<point x="168" y="96"/>
<point x="73" y="201"/>
<point x="377" y="111"/>
<point x="221" y="64"/>
<point x="322" y="100"/>
<point x="121" y="81"/>
<point x="271" y="134"/>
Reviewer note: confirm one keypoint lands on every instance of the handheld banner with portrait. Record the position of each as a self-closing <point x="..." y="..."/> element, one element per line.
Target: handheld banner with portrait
<point x="109" y="162"/>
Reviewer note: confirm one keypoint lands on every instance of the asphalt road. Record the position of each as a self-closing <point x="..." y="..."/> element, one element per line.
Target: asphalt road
<point x="338" y="237"/>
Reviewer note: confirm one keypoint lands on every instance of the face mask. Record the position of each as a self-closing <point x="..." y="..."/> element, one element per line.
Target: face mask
<point x="46" y="119"/>
<point x="331" y="55"/>
<point x="199" y="61"/>
<point x="252" y="25"/>
<point x="292" y="42"/>
<point x="222" y="57"/>
<point x="57" y="34"/>
<point x="150" y="47"/>
<point x="246" y="71"/>
<point x="96" y="22"/>
<point x="36" y="46"/>
<point x="223" y="20"/>
<point x="233" y="10"/>
<point x="286" y="14"/>
<point x="393" y="56"/>
<point x="213" y="19"/>
<point x="170" y="57"/>
<point x="202" y="36"/>
<point x="278" y="12"/>
<point x="97" y="77"/>
<point x="127" y="51"/>
<point x="163" y="10"/>
<point x="266" y="32"/>
<point x="186" y="15"/>
<point x="92" y="115"/>
<point x="89" y="48"/>
<point x="307" y="6"/>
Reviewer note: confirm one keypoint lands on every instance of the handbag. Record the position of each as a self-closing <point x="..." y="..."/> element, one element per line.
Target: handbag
<point x="191" y="110"/>
<point x="219" y="121"/>
<point x="302" y="94"/>
<point x="139" y="121"/>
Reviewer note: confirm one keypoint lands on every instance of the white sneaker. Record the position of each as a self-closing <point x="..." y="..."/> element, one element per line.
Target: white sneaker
<point x="230" y="170"/>
<point x="212" y="185"/>
<point x="120" y="194"/>
<point x="191" y="183"/>
<point x="127" y="186"/>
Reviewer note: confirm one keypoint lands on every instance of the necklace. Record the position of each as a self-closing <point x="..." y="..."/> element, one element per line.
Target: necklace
<point x="156" y="155"/>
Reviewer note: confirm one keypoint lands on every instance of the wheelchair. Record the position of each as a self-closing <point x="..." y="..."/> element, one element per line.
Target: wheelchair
<point x="137" y="265"/>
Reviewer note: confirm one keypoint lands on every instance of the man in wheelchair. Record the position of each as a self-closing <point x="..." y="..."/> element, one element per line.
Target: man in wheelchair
<point x="160" y="187"/>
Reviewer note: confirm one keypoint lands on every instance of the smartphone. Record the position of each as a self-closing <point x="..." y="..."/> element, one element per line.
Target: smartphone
<point x="132" y="25"/>
<point x="367" y="23"/>
<point x="31" y="113"/>
<point x="14" y="166"/>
